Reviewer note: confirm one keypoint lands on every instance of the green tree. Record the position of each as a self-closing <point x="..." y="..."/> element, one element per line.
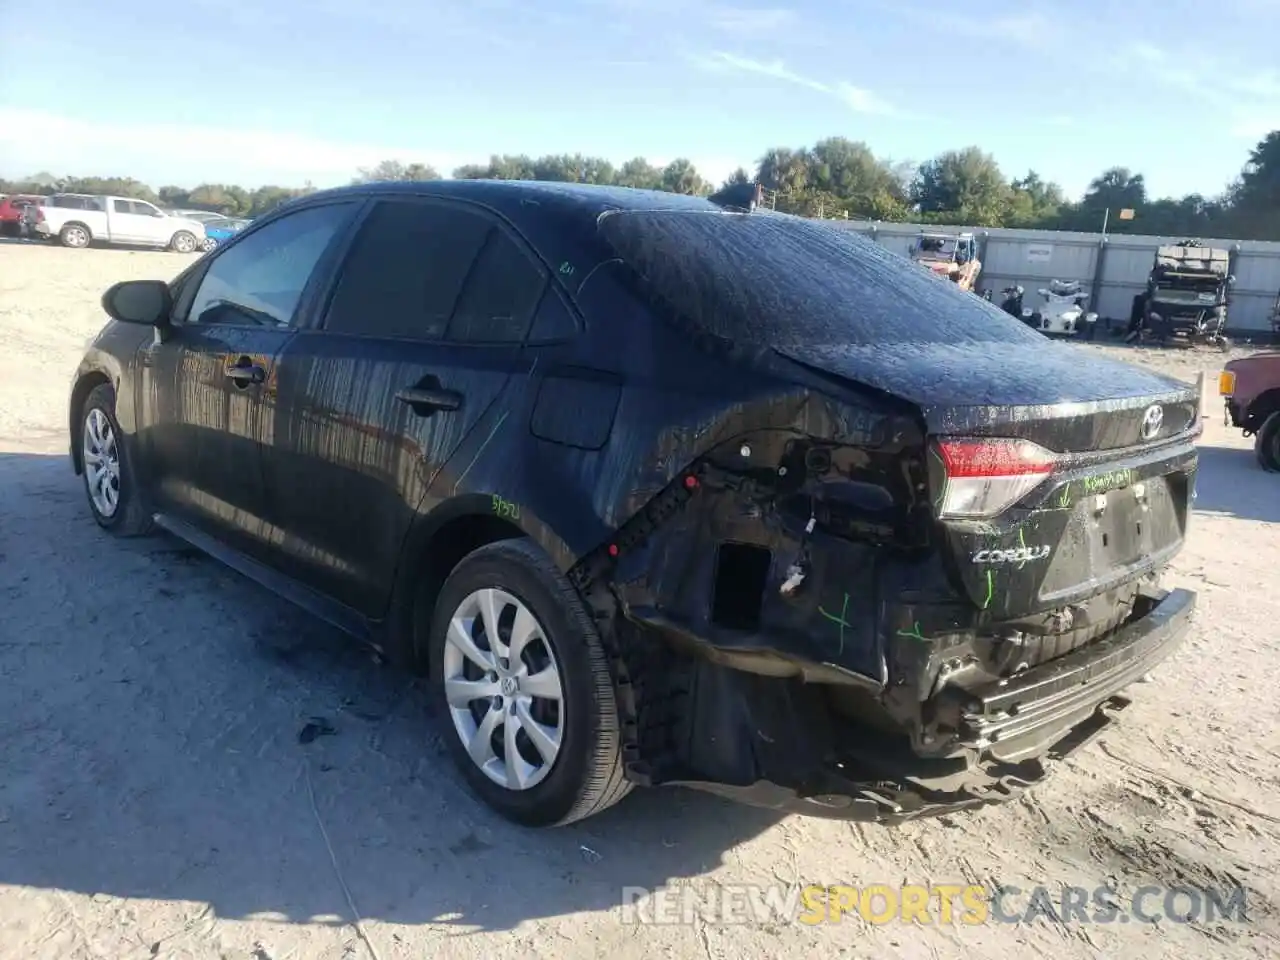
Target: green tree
<point x="641" y="174"/>
<point x="681" y="176"/>
<point x="389" y="170"/>
<point x="1034" y="202"/>
<point x="963" y="185"/>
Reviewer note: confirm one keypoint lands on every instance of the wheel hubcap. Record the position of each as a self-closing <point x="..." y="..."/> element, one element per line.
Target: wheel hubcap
<point x="101" y="462"/>
<point x="502" y="683"/>
<point x="76" y="237"/>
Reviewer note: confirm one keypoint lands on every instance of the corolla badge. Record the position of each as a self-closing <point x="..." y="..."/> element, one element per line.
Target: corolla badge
<point x="1152" y="421"/>
<point x="1012" y="555"/>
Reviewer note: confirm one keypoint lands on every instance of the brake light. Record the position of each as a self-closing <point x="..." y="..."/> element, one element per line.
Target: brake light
<point x="1226" y="383"/>
<point x="983" y="478"/>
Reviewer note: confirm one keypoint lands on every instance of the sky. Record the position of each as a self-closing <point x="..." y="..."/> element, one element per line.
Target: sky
<point x="286" y="91"/>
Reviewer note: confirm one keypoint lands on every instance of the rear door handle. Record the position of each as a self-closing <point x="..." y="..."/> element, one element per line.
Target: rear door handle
<point x="246" y="372"/>
<point x="426" y="400"/>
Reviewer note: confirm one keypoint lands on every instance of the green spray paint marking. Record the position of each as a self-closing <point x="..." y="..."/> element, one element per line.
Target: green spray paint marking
<point x="912" y="634"/>
<point x="991" y="589"/>
<point x="566" y="269"/>
<point x="1064" y="500"/>
<point x="1023" y="544"/>
<point x="1108" y="481"/>
<point x="840" y="619"/>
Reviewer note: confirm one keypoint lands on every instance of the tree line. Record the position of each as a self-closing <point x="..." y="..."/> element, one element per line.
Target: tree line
<point x="833" y="178"/>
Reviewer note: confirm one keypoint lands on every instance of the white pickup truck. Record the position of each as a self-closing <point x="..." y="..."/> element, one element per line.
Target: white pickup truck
<point x="77" y="220"/>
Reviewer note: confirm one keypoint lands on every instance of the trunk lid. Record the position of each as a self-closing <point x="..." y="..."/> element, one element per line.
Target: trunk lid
<point x="1112" y="505"/>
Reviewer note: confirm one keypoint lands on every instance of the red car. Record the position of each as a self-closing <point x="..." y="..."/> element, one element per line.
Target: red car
<point x="11" y="213"/>
<point x="1250" y="387"/>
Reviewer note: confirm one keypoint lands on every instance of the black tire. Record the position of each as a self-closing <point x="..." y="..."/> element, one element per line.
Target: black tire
<point x="1266" y="443"/>
<point x="587" y="774"/>
<point x="130" y="518"/>
<point x="184" y="241"/>
<point x="75" y="235"/>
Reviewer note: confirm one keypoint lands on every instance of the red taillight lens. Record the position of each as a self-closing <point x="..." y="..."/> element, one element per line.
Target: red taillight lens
<point x="986" y="477"/>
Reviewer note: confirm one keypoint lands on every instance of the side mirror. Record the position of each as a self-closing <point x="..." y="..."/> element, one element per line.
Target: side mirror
<point x="139" y="301"/>
<point x="1231" y="280"/>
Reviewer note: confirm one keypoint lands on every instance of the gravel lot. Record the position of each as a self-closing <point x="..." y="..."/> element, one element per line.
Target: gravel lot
<point x="155" y="799"/>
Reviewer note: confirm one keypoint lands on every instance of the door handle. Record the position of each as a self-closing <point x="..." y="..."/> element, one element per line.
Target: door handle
<point x="426" y="400"/>
<point x="245" y="372"/>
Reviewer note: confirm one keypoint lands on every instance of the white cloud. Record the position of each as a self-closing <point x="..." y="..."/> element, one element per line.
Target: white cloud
<point x="33" y="140"/>
<point x="856" y="98"/>
<point x="1146" y="51"/>
<point x="751" y="20"/>
<point x="1255" y="126"/>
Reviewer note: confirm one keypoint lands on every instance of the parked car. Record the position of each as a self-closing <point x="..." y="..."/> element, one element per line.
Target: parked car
<point x="221" y="230"/>
<point x="1250" y="389"/>
<point x="200" y="216"/>
<point x="78" y="220"/>
<point x="11" y="208"/>
<point x="655" y="492"/>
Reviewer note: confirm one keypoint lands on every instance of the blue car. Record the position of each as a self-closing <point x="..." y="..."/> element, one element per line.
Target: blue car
<point x="221" y="230"/>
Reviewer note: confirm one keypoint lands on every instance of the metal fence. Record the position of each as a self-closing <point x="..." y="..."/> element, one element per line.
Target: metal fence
<point x="1113" y="268"/>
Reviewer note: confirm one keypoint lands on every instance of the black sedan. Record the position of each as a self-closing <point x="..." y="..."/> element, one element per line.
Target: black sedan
<point x="657" y="489"/>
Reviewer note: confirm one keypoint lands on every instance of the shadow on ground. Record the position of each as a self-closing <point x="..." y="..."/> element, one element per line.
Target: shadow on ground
<point x="151" y="746"/>
<point x="1232" y="484"/>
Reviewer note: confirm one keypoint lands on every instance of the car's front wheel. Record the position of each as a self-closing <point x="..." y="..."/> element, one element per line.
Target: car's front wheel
<point x="521" y="677"/>
<point x="114" y="497"/>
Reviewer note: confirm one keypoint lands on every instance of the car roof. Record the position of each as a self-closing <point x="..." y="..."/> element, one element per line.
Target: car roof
<point x="587" y="199"/>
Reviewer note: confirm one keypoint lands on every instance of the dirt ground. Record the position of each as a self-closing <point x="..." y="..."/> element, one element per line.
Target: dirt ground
<point x="156" y="800"/>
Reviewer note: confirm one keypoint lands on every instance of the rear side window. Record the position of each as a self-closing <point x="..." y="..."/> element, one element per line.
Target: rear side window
<point x="769" y="280"/>
<point x="406" y="270"/>
<point x="500" y="296"/>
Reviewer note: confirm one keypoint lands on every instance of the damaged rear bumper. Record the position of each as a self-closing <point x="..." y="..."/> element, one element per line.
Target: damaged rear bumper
<point x="1012" y="729"/>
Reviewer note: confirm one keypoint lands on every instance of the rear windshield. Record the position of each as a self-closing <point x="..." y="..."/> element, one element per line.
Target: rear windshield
<point x="763" y="279"/>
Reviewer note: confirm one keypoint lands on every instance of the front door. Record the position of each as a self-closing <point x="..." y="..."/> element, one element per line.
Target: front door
<point x="126" y="225"/>
<point x="208" y="383"/>
<point x="421" y="340"/>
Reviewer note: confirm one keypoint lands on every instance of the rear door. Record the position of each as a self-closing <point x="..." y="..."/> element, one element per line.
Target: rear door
<point x="207" y="388"/>
<point x="421" y="337"/>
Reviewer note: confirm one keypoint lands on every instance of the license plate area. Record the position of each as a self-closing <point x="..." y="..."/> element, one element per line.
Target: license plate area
<point x="1111" y="532"/>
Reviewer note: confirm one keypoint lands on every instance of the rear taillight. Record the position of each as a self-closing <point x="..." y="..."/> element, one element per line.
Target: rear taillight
<point x="984" y="478"/>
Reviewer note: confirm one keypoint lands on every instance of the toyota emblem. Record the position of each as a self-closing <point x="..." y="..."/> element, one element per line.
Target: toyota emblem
<point x="1152" y="421"/>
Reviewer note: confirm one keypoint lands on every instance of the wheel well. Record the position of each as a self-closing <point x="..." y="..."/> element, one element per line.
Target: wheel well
<point x="77" y="223"/>
<point x="437" y="558"/>
<point x="1263" y="405"/>
<point x="79" y="394"/>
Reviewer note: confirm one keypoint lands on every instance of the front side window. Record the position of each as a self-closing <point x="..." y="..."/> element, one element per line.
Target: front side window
<point x="259" y="280"/>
